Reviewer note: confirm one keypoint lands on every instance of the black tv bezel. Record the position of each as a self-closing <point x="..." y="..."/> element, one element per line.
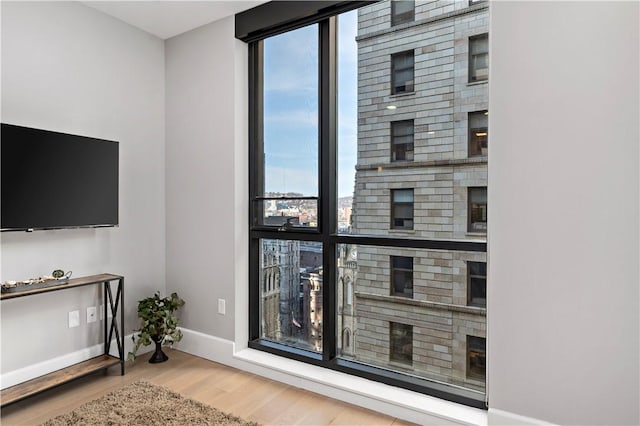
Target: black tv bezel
<point x="53" y="228"/>
<point x="89" y="226"/>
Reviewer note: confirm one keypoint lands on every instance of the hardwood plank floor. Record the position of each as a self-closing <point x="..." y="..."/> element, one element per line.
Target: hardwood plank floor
<point x="233" y="391"/>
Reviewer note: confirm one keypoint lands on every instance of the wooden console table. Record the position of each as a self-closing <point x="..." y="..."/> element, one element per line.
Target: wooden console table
<point x="112" y="328"/>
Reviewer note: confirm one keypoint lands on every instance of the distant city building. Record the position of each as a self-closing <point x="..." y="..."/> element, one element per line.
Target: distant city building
<point x="312" y="308"/>
<point x="348" y="275"/>
<point x="280" y="295"/>
<point x="421" y="173"/>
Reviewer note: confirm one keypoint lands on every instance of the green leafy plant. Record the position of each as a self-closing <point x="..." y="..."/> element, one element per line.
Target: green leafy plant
<point x="159" y="323"/>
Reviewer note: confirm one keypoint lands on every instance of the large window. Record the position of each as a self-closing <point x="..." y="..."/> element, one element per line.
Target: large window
<point x="365" y="224"/>
<point x="402" y="72"/>
<point x="288" y="180"/>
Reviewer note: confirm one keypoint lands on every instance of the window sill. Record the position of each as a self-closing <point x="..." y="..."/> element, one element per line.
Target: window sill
<point x="403" y="231"/>
<point x="401" y="95"/>
<point x="396" y="402"/>
<point x="477" y="83"/>
<point x="479" y="158"/>
<point x="476" y="234"/>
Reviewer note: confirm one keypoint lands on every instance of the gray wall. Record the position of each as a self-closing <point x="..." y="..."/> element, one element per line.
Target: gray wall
<point x="200" y="166"/>
<point x="563" y="170"/>
<point x="69" y="68"/>
<point x="563" y="211"/>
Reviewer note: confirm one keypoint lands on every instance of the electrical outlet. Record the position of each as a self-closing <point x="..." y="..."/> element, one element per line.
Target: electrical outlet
<point x="221" y="306"/>
<point x="74" y="319"/>
<point x="91" y="314"/>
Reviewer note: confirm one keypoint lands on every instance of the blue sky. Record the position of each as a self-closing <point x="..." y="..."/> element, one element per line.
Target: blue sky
<point x="291" y="109"/>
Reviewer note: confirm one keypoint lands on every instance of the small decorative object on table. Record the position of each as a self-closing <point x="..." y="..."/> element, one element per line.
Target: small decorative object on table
<point x="159" y="325"/>
<point x="57" y="277"/>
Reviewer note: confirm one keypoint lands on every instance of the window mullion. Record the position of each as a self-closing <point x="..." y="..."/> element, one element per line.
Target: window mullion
<point x="328" y="180"/>
<point x="256" y="184"/>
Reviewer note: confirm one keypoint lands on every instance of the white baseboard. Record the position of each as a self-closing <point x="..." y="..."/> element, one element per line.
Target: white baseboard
<point x="207" y="347"/>
<point x="389" y="400"/>
<point x="29" y="372"/>
<point x="504" y="418"/>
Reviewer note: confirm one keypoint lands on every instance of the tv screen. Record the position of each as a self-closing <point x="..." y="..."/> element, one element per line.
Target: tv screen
<point x="56" y="180"/>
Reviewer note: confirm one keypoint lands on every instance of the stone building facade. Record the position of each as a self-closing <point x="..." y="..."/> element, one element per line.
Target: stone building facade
<point x="347" y="276"/>
<point x="312" y="309"/>
<point x="280" y="288"/>
<point x="421" y="173"/>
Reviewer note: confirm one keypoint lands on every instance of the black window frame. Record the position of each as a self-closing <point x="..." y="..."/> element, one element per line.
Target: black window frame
<point x="402" y="17"/>
<point x="397" y="128"/>
<point x="470" y="222"/>
<point x="476" y="348"/>
<point x="253" y="26"/>
<point x="472" y="280"/>
<point x="473" y="78"/>
<point x="474" y="138"/>
<point x="395" y="70"/>
<point x="394" y="267"/>
<point x="401" y="205"/>
<point x="400" y="356"/>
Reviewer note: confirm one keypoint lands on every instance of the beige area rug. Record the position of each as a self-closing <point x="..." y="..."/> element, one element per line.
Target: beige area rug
<point x="142" y="403"/>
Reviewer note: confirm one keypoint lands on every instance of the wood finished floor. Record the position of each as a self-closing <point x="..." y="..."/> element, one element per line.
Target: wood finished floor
<point x="233" y="391"/>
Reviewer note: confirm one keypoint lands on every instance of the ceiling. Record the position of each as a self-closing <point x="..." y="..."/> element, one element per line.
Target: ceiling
<point x="166" y="19"/>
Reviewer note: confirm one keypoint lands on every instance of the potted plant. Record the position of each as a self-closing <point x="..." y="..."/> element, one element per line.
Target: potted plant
<point x="159" y="325"/>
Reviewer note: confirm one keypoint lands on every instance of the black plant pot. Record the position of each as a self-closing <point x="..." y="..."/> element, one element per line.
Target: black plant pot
<point x="158" y="355"/>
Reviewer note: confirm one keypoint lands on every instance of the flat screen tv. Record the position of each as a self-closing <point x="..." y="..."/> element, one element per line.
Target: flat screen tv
<point x="54" y="180"/>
